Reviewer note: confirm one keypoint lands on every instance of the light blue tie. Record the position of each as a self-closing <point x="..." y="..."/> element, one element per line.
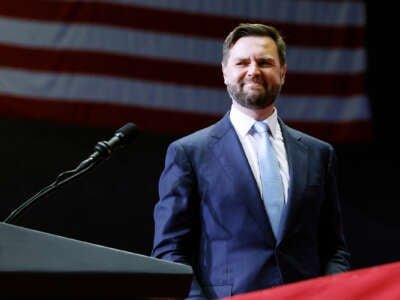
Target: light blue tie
<point x="271" y="181"/>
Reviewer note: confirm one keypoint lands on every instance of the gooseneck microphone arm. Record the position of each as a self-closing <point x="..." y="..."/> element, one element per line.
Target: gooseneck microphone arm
<point x="46" y="191"/>
<point x="103" y="150"/>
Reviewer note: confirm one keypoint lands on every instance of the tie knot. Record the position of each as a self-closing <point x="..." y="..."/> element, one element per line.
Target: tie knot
<point x="261" y="127"/>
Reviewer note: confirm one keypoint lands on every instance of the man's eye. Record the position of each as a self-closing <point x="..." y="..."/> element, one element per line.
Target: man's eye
<point x="264" y="63"/>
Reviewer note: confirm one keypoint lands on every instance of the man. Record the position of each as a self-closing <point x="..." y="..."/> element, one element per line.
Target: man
<point x="220" y="209"/>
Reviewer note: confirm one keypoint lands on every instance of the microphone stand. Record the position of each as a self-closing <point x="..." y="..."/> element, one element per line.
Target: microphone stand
<point x="102" y="152"/>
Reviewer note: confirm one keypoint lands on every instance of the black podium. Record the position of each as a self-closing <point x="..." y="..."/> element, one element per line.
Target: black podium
<point x="38" y="264"/>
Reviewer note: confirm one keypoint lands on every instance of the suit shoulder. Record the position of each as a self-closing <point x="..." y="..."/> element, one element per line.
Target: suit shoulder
<point x="195" y="139"/>
<point x="309" y="139"/>
<point x="202" y="136"/>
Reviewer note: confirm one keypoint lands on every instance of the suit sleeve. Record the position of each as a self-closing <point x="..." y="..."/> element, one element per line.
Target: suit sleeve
<point x="334" y="253"/>
<point x="176" y="213"/>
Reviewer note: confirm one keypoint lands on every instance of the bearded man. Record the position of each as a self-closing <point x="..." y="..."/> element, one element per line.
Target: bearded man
<point x="249" y="202"/>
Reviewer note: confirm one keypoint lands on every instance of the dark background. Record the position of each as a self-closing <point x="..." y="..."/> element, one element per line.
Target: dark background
<point x="112" y="205"/>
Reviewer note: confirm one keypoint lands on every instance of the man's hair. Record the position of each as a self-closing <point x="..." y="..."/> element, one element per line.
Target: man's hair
<point x="247" y="29"/>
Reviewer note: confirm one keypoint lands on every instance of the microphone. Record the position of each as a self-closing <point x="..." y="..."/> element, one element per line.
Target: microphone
<point x="103" y="150"/>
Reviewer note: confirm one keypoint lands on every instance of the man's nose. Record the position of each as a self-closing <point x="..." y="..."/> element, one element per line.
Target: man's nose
<point x="253" y="70"/>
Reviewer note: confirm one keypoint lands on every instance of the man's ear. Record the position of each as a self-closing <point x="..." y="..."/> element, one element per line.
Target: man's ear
<point x="223" y="67"/>
<point x="283" y="73"/>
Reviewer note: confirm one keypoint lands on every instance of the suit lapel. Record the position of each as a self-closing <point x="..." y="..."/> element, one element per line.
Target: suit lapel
<point x="298" y="165"/>
<point x="229" y="153"/>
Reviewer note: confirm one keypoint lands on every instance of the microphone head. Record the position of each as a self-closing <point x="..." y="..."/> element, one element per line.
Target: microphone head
<point x="122" y="137"/>
<point x="127" y="133"/>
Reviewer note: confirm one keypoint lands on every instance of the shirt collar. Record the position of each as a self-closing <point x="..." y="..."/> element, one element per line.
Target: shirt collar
<point x="243" y="123"/>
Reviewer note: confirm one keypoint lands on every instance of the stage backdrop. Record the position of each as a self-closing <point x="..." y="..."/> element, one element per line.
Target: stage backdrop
<point x="106" y="62"/>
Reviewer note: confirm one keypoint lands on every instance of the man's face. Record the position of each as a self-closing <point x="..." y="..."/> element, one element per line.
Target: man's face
<point x="252" y="73"/>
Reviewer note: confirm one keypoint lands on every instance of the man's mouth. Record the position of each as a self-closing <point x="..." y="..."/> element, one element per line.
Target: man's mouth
<point x="254" y="84"/>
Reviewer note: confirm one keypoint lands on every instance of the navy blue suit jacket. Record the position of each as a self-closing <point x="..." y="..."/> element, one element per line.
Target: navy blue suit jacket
<point x="211" y="216"/>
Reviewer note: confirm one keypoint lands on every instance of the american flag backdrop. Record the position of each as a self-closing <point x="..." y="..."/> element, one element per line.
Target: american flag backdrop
<point x="157" y="62"/>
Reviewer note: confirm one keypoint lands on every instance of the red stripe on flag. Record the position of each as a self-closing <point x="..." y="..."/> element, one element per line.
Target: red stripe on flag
<point x="87" y="62"/>
<point x="186" y="23"/>
<point x="97" y="114"/>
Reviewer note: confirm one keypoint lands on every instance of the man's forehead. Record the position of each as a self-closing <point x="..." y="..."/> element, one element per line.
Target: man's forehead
<point x="254" y="40"/>
<point x="254" y="55"/>
<point x="254" y="46"/>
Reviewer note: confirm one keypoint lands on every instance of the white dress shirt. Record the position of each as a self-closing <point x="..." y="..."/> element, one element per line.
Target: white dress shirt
<point x="243" y="124"/>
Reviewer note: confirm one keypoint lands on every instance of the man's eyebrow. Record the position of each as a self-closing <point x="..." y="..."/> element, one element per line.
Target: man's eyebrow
<point x="241" y="58"/>
<point x="266" y="57"/>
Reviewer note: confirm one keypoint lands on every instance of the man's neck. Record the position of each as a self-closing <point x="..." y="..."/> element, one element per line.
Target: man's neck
<point x="256" y="114"/>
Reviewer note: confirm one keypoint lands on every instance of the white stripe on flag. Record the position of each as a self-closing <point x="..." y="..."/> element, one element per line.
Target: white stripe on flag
<point x="170" y="97"/>
<point x="164" y="46"/>
<point x="350" y="13"/>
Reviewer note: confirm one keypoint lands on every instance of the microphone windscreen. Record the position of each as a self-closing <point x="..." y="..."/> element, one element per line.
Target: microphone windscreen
<point x="129" y="131"/>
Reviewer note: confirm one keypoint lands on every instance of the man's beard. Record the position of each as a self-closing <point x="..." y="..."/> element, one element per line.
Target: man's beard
<point x="253" y="100"/>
